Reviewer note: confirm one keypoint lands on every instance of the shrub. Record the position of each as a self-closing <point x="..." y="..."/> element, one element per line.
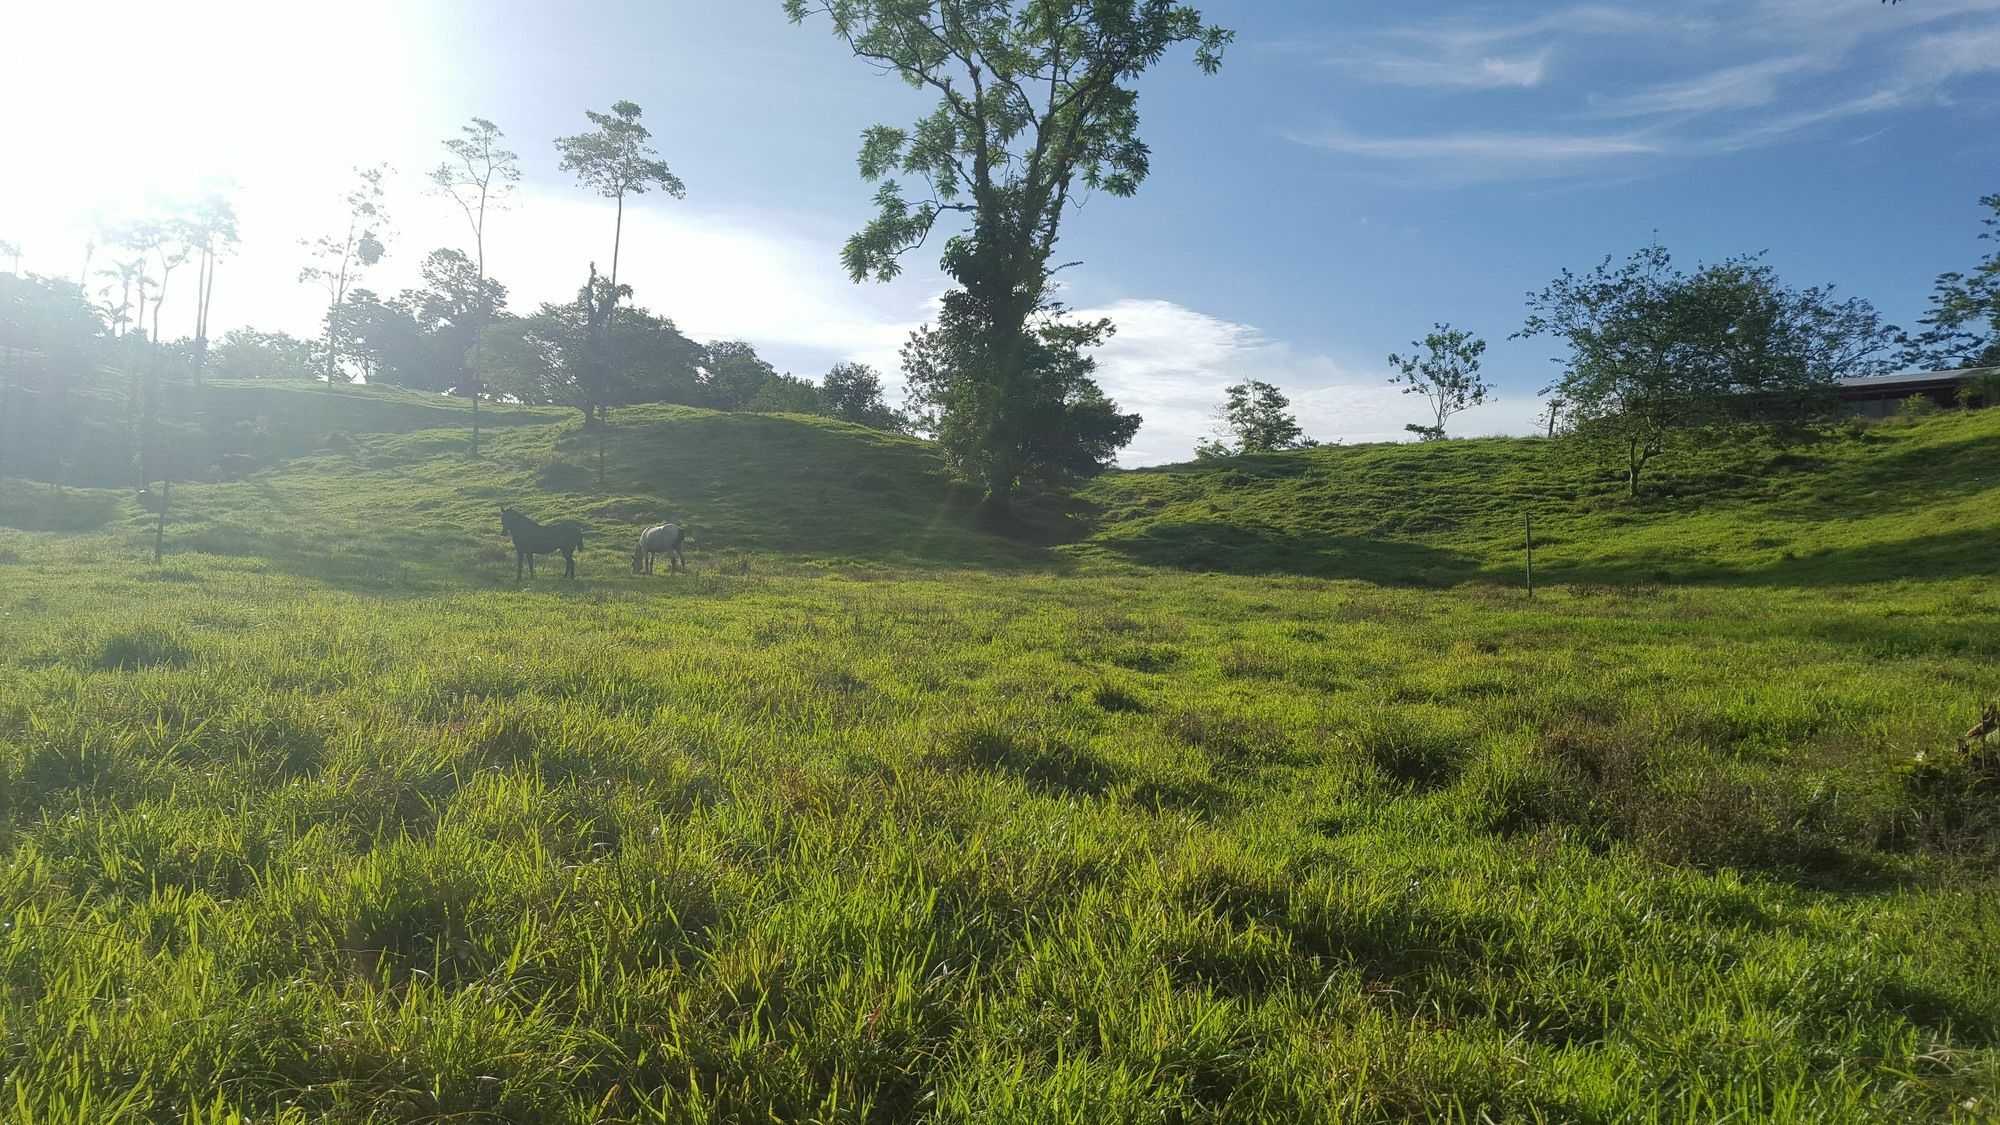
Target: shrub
<point x="1980" y="390"/>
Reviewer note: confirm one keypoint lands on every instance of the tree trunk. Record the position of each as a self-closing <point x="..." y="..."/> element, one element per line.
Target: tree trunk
<point x="617" y="236"/>
<point x="1635" y="461"/>
<point x="479" y="323"/>
<point x="207" y="303"/>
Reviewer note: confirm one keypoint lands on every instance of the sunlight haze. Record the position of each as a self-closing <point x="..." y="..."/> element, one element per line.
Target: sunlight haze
<point x="1348" y="178"/>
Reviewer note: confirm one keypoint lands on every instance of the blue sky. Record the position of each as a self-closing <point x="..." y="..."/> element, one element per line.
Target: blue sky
<point x="1354" y="173"/>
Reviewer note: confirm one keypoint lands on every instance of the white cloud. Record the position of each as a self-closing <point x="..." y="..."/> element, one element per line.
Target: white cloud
<point x="1172" y="364"/>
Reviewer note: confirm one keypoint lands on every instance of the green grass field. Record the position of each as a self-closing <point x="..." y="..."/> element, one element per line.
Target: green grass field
<point x="1246" y="791"/>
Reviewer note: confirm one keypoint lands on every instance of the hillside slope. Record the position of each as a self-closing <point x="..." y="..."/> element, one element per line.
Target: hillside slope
<point x="1873" y="503"/>
<point x="374" y="485"/>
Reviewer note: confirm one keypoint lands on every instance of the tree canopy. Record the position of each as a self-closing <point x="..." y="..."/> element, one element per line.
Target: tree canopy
<point x="853" y="391"/>
<point x="1035" y="104"/>
<point x="1962" y="328"/>
<point x="1445" y="372"/>
<point x="1657" y="354"/>
<point x="1255" y="417"/>
<point x="615" y="161"/>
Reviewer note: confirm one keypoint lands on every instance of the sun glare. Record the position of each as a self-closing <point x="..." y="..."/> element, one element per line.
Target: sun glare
<point x="112" y="104"/>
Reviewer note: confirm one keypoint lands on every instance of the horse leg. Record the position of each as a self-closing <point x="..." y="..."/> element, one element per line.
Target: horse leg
<point x="518" y="556"/>
<point x="569" y="563"/>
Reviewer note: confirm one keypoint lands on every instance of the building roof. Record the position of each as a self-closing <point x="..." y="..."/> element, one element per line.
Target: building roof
<point x="1914" y="378"/>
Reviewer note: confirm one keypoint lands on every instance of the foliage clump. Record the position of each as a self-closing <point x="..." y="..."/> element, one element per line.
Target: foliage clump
<point x="1662" y="359"/>
<point x="1255" y="418"/>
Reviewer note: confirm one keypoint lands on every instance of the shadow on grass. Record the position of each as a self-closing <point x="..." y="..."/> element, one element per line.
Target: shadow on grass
<point x="70" y="511"/>
<point x="1231" y="549"/>
<point x="1964" y="553"/>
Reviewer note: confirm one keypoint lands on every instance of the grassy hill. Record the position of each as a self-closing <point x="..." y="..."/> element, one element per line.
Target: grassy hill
<point x="1248" y="791"/>
<point x="1916" y="499"/>
<point x="383" y="466"/>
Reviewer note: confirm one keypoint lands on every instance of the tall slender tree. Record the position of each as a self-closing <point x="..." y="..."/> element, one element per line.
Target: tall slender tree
<point x="1445" y="372"/>
<point x="615" y="161"/>
<point x="211" y="232"/>
<point x="160" y="241"/>
<point x="338" y="258"/>
<point x="479" y="176"/>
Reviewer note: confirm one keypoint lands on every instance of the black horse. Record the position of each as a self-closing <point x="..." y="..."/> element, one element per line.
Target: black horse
<point x="531" y="539"/>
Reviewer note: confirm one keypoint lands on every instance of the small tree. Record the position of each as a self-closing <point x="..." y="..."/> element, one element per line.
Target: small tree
<point x="479" y="175"/>
<point x="1659" y="357"/>
<point x="339" y="258"/>
<point x="1446" y="373"/>
<point x="127" y="275"/>
<point x="1963" y="324"/>
<point x="1980" y="390"/>
<point x="1254" y="418"/>
<point x="615" y="161"/>
<point x="854" y="392"/>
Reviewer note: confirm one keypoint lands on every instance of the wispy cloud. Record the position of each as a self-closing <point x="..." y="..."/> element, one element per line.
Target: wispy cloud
<point x="1735" y="87"/>
<point x="1469" y="72"/>
<point x="1769" y="71"/>
<point x="1467" y="157"/>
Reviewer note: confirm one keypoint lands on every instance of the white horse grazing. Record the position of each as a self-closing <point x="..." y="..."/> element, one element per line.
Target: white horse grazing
<point x="664" y="538"/>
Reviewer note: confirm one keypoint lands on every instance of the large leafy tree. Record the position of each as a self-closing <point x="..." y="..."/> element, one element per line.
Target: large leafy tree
<point x="615" y="161"/>
<point x="1962" y="328"/>
<point x="478" y="177"/>
<point x="733" y="375"/>
<point x="1445" y="372"/>
<point x="423" y="337"/>
<point x="1255" y="418"/>
<point x="564" y="355"/>
<point x="246" y="353"/>
<point x="1659" y="356"/>
<point x="1036" y="104"/>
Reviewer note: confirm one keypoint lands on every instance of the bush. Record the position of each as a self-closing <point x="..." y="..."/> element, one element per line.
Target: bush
<point x="1980" y="390"/>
